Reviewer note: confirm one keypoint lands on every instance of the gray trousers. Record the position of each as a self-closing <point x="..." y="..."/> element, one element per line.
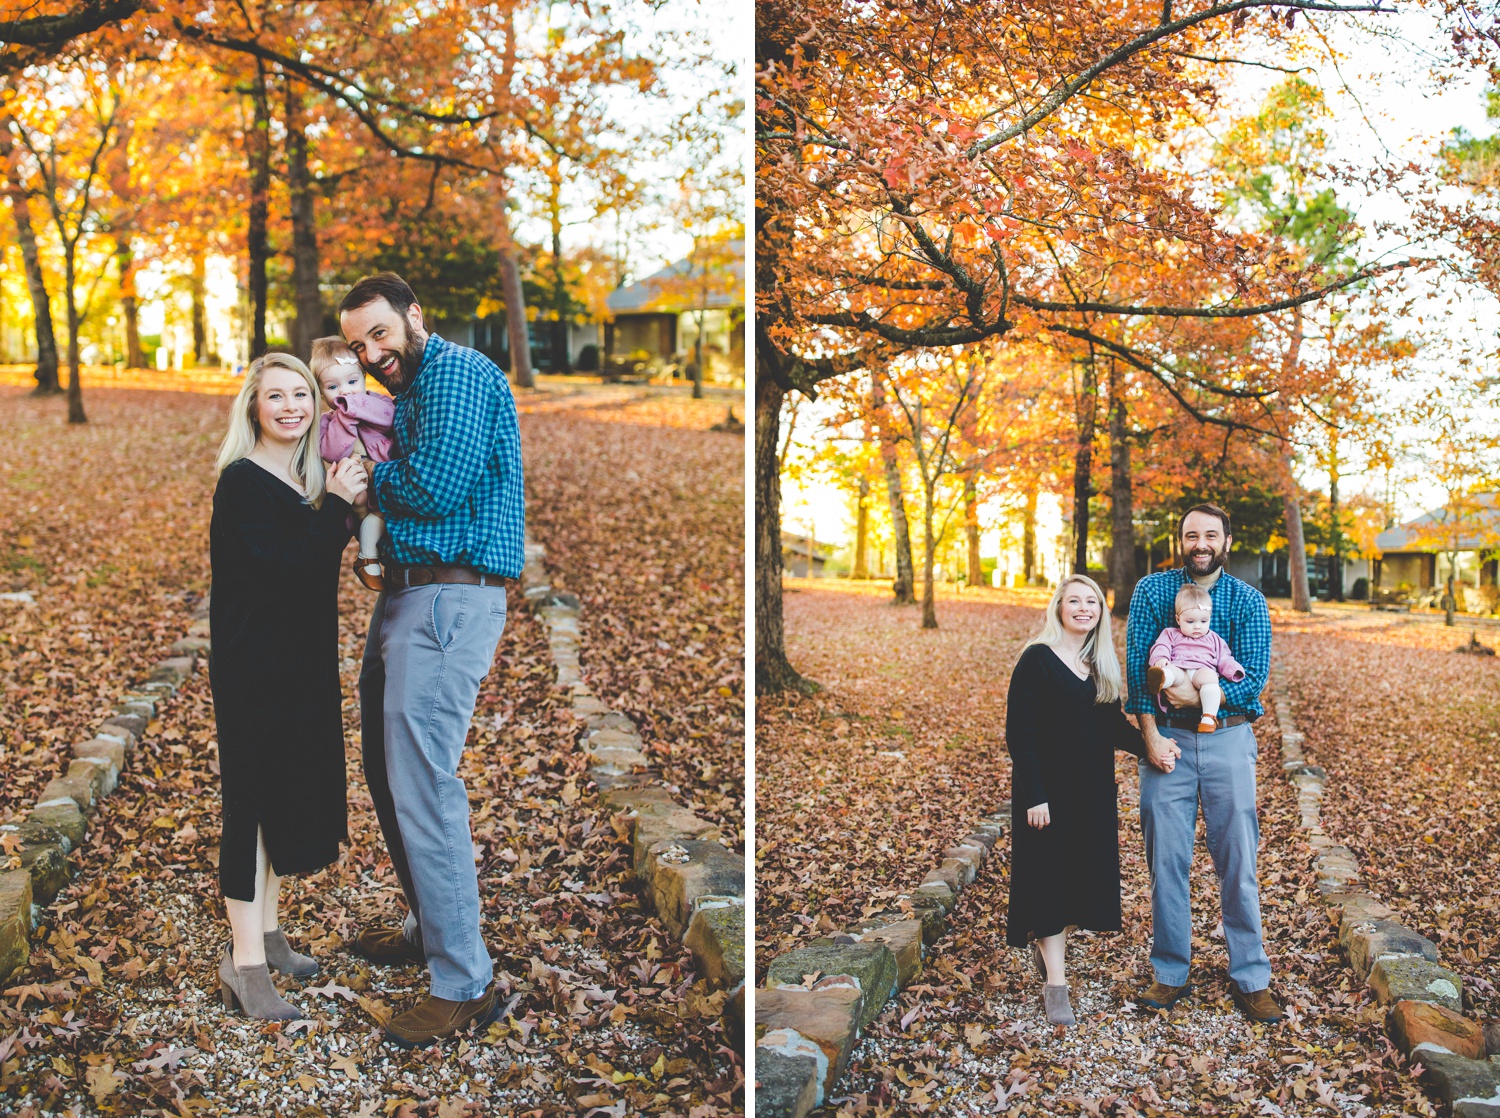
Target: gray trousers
<point x="1217" y="771"/>
<point x="428" y="650"/>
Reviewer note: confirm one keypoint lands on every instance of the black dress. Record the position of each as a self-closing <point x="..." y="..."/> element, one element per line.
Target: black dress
<point x="1062" y="745"/>
<point x="274" y="671"/>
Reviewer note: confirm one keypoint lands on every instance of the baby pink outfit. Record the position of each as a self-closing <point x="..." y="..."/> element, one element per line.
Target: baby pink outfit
<point x="362" y="419"/>
<point x="1191" y="653"/>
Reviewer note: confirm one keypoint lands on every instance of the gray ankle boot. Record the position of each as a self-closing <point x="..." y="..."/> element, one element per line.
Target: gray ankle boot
<point x="250" y="989"/>
<point x="283" y="960"/>
<point x="1059" y="1009"/>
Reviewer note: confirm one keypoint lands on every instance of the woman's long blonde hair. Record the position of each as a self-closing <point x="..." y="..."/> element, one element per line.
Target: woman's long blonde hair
<point x="1098" y="646"/>
<point x="244" y="427"/>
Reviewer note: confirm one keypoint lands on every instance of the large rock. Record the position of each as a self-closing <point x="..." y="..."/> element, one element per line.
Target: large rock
<point x="199" y="628"/>
<point x="107" y="752"/>
<point x="1370" y="940"/>
<point x="872" y="966"/>
<point x="192" y="646"/>
<point x="1492" y="1036"/>
<point x="939" y="890"/>
<point x="974" y="853"/>
<point x="788" y="1086"/>
<point x="716" y="937"/>
<point x="653" y="828"/>
<point x="80" y="784"/>
<point x="65" y="817"/>
<point x="1417" y="980"/>
<point x="175" y="670"/>
<point x="124" y="728"/>
<point x="137" y="705"/>
<point x="1352" y="907"/>
<point x="683" y="872"/>
<point x="44" y="855"/>
<point x="1456" y="1079"/>
<point x="734" y="1019"/>
<point x="15" y="921"/>
<point x="1418" y="1023"/>
<point x="821" y="1023"/>
<point x="928" y="910"/>
<point x="985" y="839"/>
<point x="904" y="940"/>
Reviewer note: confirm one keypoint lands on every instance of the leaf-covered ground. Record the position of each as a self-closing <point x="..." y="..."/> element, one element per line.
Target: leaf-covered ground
<point x="118" y="1012"/>
<point x="908" y="735"/>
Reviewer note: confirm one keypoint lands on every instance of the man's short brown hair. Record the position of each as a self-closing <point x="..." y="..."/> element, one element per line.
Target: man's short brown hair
<point x="382" y="285"/>
<point x="1212" y="510"/>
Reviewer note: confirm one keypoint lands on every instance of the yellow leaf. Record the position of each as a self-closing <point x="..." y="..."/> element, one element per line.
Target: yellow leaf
<point x="102" y="1081"/>
<point x="658" y="1067"/>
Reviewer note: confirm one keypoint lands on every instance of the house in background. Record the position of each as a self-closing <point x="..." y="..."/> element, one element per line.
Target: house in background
<point x="804" y="557"/>
<point x="655" y="322"/>
<point x="1412" y="556"/>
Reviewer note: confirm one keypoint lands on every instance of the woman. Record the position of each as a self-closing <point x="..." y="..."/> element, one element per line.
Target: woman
<point x="276" y="542"/>
<point x="1062" y="725"/>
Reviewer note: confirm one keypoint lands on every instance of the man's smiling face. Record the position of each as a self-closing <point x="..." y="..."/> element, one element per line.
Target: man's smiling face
<point x="1205" y="547"/>
<point x="389" y="344"/>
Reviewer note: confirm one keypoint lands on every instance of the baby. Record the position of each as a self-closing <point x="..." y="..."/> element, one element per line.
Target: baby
<point x="357" y="423"/>
<point x="1192" y="653"/>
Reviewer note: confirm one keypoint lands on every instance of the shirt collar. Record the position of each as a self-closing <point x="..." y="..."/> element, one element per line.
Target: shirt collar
<point x="430" y="350"/>
<point x="1187" y="577"/>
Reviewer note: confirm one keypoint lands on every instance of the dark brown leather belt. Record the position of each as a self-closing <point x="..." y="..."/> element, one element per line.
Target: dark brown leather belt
<point x="402" y="576"/>
<point x="1190" y="722"/>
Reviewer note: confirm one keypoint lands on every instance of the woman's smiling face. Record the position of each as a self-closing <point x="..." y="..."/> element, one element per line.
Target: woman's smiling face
<point x="1079" y="609"/>
<point x="284" y="406"/>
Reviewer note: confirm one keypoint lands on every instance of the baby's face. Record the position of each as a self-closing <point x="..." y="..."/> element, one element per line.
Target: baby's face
<point x="1193" y="621"/>
<point x="342" y="378"/>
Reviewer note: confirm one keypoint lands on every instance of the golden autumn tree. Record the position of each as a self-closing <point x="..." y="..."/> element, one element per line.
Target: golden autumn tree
<point x="929" y="177"/>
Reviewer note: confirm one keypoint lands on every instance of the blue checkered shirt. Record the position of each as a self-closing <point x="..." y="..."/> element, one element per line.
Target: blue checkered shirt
<point x="1239" y="616"/>
<point x="453" y="493"/>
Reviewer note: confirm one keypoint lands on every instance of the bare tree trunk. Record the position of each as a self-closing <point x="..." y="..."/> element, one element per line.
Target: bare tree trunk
<point x="862" y="531"/>
<point x="515" y="301"/>
<point x="1028" y="538"/>
<point x="129" y="310"/>
<point x="903" y="588"/>
<point x="200" y="311"/>
<point x="929" y="606"/>
<point x="1335" y="532"/>
<point x="41" y="306"/>
<point x="971" y="530"/>
<point x="257" y="241"/>
<point x="75" y="381"/>
<point x="308" y="300"/>
<point x="1083" y="465"/>
<point x="560" y="362"/>
<point x="698" y="352"/>
<point x="1122" y="500"/>
<point x="773" y="672"/>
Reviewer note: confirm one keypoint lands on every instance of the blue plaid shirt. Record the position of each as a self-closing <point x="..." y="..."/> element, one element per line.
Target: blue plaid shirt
<point x="1239" y="616"/>
<point x="453" y="493"/>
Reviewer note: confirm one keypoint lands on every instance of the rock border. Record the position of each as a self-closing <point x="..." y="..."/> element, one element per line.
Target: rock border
<point x="820" y="997"/>
<point x="693" y="882"/>
<point x="36" y="845"/>
<point x="1459" y="1057"/>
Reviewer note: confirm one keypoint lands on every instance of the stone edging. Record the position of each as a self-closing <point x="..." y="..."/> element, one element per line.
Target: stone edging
<point x="36" y="846"/>
<point x="695" y="884"/>
<point x="1424" y="999"/>
<point x="818" y="999"/>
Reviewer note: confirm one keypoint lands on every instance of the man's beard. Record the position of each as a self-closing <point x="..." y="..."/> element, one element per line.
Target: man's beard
<point x="1214" y="561"/>
<point x="408" y="362"/>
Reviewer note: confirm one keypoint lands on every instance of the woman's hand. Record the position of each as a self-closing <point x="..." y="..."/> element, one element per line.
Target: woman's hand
<point x="1162" y="751"/>
<point x="1038" y="816"/>
<point x="347" y="480"/>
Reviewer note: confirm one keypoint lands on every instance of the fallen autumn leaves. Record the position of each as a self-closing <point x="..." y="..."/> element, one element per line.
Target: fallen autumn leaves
<point x="907" y="735"/>
<point x="118" y="1013"/>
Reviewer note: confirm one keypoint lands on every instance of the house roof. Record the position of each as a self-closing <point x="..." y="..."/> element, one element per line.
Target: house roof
<point x="1410" y="536"/>
<point x="668" y="291"/>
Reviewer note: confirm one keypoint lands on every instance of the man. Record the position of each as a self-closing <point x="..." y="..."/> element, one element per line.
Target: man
<point x="1215" y="769"/>
<point x="454" y="509"/>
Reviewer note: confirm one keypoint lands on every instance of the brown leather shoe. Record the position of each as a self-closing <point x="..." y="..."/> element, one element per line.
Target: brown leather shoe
<point x="1259" y="1006"/>
<point x="1161" y="996"/>
<point x="389" y="946"/>
<point x="438" y="1018"/>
